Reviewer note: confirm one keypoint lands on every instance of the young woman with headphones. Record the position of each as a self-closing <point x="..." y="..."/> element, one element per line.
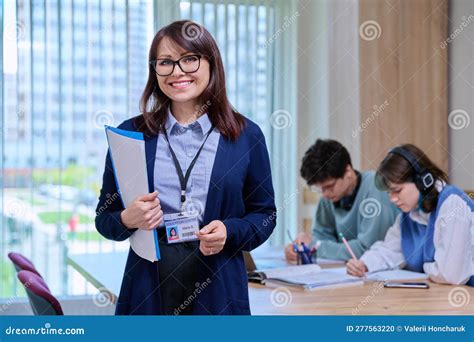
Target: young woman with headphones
<point x="434" y="233"/>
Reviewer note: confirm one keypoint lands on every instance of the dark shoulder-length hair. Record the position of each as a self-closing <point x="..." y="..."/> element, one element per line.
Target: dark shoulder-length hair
<point x="395" y="169"/>
<point x="194" y="38"/>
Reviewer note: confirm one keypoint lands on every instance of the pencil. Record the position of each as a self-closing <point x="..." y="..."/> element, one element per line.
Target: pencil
<point x="349" y="249"/>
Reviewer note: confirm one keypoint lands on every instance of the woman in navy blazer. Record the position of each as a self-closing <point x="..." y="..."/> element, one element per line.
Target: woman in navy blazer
<point x="240" y="212"/>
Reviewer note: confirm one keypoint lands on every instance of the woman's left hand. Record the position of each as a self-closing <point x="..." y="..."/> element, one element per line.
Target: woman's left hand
<point x="212" y="237"/>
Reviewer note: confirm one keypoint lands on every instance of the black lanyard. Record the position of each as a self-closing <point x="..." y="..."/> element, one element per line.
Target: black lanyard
<point x="183" y="179"/>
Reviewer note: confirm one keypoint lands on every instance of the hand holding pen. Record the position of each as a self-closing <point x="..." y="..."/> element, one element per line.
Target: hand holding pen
<point x="354" y="266"/>
<point x="294" y="247"/>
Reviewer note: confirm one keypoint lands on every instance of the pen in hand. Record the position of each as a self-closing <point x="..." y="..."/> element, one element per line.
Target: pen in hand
<point x="354" y="263"/>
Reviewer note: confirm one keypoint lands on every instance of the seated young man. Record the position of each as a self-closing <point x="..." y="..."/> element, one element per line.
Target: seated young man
<point x="350" y="204"/>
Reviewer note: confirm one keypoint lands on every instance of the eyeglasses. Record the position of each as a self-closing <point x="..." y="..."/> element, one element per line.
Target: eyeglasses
<point x="187" y="64"/>
<point x="320" y="190"/>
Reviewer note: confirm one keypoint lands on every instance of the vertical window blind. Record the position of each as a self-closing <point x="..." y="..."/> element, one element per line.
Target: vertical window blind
<point x="71" y="66"/>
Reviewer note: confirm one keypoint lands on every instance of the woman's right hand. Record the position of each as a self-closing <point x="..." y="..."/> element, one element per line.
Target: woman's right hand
<point x="144" y="213"/>
<point x="290" y="253"/>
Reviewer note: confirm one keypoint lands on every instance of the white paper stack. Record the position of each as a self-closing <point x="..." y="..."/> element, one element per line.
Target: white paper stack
<point x="127" y="151"/>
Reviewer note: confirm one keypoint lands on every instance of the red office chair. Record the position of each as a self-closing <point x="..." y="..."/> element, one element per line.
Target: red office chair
<point x="22" y="263"/>
<point x="41" y="300"/>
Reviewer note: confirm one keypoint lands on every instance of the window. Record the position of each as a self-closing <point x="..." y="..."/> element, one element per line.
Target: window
<point x="58" y="72"/>
<point x="240" y="29"/>
<point x="61" y="84"/>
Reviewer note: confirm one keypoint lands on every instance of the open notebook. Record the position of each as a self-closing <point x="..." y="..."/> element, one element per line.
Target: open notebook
<point x="307" y="277"/>
<point x="312" y="277"/>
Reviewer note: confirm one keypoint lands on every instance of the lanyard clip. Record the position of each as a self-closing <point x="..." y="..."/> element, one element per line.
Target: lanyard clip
<point x="183" y="200"/>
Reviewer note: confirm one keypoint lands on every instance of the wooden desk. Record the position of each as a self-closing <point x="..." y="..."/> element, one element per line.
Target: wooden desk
<point x="368" y="299"/>
<point x="105" y="271"/>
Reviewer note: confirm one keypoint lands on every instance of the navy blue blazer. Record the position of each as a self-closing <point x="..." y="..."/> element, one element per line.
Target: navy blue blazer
<point x="240" y="195"/>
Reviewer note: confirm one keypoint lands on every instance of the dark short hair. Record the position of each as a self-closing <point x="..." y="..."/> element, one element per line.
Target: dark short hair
<point x="324" y="160"/>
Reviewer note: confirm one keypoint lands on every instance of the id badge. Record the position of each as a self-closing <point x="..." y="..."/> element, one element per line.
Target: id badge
<point x="181" y="227"/>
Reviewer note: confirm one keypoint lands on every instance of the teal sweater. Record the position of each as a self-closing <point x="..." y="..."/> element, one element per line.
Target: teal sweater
<point x="366" y="222"/>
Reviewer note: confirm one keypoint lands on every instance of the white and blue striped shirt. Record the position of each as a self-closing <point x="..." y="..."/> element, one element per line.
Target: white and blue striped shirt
<point x="185" y="141"/>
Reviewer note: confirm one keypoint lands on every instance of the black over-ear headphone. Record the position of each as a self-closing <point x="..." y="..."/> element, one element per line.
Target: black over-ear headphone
<point x="423" y="179"/>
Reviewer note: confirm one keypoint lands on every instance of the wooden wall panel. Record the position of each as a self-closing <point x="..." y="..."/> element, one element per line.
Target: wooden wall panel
<point x="403" y="78"/>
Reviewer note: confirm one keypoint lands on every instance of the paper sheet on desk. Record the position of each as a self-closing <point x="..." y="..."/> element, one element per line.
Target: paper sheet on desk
<point x="396" y="275"/>
<point x="322" y="261"/>
<point x="387" y="275"/>
<point x="292" y="271"/>
<point x="127" y="151"/>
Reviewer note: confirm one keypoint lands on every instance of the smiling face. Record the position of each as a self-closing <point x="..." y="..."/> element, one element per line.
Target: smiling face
<point x="182" y="87"/>
<point x="405" y="196"/>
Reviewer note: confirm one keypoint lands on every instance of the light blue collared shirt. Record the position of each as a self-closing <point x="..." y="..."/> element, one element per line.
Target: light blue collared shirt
<point x="185" y="141"/>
